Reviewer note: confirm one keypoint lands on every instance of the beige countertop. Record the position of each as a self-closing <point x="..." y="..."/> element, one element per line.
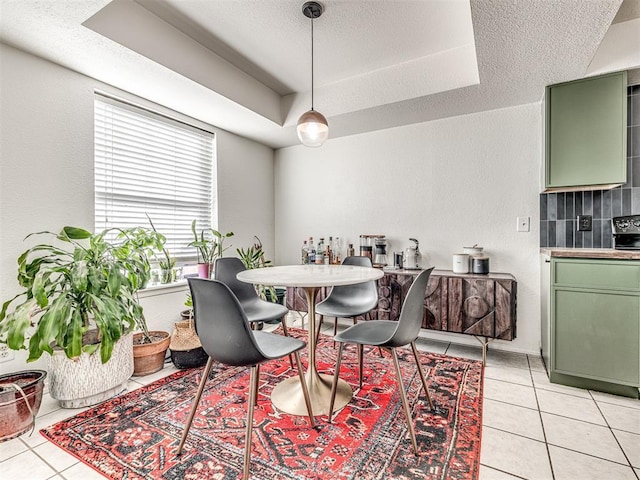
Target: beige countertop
<point x="449" y="273"/>
<point x="600" y="253"/>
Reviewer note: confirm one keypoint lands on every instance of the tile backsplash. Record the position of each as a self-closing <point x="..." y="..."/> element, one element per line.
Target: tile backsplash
<point x="558" y="211"/>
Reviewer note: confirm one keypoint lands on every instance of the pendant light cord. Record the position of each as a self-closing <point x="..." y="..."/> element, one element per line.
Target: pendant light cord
<point x="312" y="63"/>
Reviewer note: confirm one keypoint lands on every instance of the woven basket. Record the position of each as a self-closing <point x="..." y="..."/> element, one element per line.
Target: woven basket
<point x="186" y="349"/>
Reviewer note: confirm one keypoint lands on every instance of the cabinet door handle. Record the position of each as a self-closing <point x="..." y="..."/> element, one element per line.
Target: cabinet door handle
<point x="547" y="261"/>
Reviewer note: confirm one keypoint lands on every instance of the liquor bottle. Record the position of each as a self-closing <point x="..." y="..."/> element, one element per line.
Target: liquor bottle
<point x="312" y="251"/>
<point x="305" y="253"/>
<point x="337" y="249"/>
<point x="328" y="255"/>
<point x="351" y="251"/>
<point x="320" y="252"/>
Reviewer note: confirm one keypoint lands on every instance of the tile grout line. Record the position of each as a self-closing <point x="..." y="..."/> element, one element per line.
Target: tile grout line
<point x="633" y="470"/>
<point x="544" y="433"/>
<point x="43" y="460"/>
<point x="503" y="471"/>
<point x="514" y="434"/>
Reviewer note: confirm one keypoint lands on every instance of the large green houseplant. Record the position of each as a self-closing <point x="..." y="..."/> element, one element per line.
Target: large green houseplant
<point x="83" y="281"/>
<point x="79" y="293"/>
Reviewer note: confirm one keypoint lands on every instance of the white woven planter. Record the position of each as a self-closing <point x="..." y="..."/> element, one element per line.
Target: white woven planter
<point x="86" y="380"/>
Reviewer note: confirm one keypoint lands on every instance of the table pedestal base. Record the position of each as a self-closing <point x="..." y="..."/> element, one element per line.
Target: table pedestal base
<point x="287" y="395"/>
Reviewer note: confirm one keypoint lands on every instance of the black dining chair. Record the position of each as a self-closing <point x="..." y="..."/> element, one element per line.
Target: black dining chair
<point x="226" y="337"/>
<point x="390" y="335"/>
<point x="257" y="310"/>
<point x="349" y="301"/>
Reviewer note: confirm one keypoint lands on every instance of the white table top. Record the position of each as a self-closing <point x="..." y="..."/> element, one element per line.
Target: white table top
<point x="310" y="275"/>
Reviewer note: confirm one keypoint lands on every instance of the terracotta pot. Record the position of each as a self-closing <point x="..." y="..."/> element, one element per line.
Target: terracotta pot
<point x="149" y="357"/>
<point x="17" y="418"/>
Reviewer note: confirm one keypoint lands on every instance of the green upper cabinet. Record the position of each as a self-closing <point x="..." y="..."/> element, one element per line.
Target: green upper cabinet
<point x="586" y="134"/>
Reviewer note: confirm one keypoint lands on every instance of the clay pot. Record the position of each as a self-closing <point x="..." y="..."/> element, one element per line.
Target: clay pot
<point x="17" y="418"/>
<point x="149" y="357"/>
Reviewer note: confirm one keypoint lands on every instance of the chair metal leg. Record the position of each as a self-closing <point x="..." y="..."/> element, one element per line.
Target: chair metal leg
<point x="405" y="404"/>
<point x="305" y="390"/>
<point x="256" y="380"/>
<point x="360" y="364"/>
<point x="194" y="407"/>
<point x="285" y="330"/>
<point x="334" y="386"/>
<point x="335" y="329"/>
<point x="253" y="394"/>
<point x="421" y="372"/>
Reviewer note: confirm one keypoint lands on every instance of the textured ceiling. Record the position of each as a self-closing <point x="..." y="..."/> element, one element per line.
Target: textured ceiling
<point x="243" y="65"/>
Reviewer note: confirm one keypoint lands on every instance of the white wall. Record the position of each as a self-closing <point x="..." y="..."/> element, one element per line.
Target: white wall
<point x="449" y="183"/>
<point x="46" y="171"/>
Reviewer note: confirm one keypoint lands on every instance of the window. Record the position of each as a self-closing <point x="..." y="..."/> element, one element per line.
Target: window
<point x="149" y="164"/>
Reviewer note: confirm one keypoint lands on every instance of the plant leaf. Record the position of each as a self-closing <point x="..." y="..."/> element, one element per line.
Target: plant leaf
<point x="75" y="233"/>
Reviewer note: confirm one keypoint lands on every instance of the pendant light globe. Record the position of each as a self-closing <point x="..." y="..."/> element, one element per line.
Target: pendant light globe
<point x="313" y="128"/>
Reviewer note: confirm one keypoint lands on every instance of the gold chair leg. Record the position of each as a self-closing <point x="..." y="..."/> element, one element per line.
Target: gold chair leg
<point x="194" y="407"/>
<point x="421" y="372"/>
<point x="305" y="390"/>
<point x="256" y="380"/>
<point x="319" y="326"/>
<point x="360" y="364"/>
<point x="334" y="386"/>
<point x="405" y="404"/>
<point x="253" y="394"/>
<point x="285" y="330"/>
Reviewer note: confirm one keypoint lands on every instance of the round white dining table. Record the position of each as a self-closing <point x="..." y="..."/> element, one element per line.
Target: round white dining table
<point x="287" y="395"/>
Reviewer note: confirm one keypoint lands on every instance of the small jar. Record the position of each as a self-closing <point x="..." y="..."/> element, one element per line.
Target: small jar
<point x="480" y="264"/>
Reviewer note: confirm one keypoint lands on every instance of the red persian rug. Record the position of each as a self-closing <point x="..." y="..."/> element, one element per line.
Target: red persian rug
<point x="134" y="436"/>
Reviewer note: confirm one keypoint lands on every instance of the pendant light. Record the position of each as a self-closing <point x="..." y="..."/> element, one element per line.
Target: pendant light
<point x="313" y="128"/>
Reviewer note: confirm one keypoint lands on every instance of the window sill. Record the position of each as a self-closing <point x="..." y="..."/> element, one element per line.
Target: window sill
<point x="163" y="289"/>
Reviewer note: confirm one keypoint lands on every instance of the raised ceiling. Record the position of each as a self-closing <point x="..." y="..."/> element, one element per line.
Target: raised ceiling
<point x="244" y="65"/>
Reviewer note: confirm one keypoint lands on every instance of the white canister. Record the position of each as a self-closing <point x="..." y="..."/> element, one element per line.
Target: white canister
<point x="460" y="263"/>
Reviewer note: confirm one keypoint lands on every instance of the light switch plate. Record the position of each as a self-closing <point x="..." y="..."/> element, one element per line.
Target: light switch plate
<point x="584" y="223"/>
<point x="523" y="224"/>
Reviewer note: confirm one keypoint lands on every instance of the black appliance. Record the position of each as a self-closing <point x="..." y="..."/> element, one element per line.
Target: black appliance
<point x="626" y="232"/>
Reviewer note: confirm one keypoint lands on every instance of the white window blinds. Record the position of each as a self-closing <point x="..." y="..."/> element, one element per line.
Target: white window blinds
<point x="148" y="164"/>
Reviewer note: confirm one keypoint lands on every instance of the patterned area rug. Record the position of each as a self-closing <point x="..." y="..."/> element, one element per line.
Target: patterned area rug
<point x="134" y="436"/>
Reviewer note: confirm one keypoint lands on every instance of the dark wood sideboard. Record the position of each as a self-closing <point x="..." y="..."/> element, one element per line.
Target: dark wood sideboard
<point x="479" y="305"/>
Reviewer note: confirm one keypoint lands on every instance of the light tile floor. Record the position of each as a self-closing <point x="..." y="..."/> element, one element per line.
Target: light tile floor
<point x="532" y="429"/>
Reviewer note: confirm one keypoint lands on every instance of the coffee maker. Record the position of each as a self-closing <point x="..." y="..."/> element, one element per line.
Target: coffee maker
<point x="380" y="258"/>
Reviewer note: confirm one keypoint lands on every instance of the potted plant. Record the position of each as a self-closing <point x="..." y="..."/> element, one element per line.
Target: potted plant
<point x="210" y="245"/>
<point x="79" y="305"/>
<point x="166" y="262"/>
<point x="150" y="347"/>
<point x="253" y="257"/>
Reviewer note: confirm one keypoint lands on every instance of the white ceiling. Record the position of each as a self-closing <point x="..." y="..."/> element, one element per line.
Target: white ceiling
<point x="244" y="65"/>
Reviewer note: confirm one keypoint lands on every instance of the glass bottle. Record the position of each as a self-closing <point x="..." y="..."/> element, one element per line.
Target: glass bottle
<point x="337" y="249"/>
<point x="305" y="253"/>
<point x="351" y="251"/>
<point x="320" y="252"/>
<point x="312" y="251"/>
<point x="328" y="255"/>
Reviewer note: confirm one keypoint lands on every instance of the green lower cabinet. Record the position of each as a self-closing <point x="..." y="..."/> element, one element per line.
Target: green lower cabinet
<point x="595" y="325"/>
